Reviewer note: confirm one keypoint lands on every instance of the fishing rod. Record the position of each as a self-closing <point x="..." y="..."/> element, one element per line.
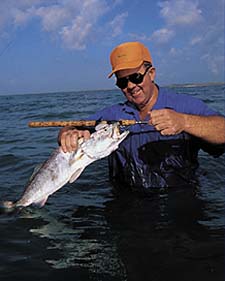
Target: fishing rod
<point x="82" y="123"/>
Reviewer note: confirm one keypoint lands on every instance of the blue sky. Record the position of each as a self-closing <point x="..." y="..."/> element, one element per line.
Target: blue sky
<point x="64" y="45"/>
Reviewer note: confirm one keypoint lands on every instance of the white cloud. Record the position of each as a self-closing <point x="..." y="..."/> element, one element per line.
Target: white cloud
<point x="174" y="52"/>
<point x="76" y="33"/>
<point x="139" y="37"/>
<point x="118" y="2"/>
<point x="117" y="24"/>
<point x="180" y="12"/>
<point x="17" y="12"/>
<point x="53" y="17"/>
<point x="196" y="40"/>
<point x="75" y="22"/>
<point x="159" y="36"/>
<point x="209" y="42"/>
<point x="176" y="14"/>
<point x="215" y="63"/>
<point x="197" y="33"/>
<point x="162" y="35"/>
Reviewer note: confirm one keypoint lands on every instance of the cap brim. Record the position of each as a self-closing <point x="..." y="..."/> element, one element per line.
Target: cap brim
<point x="126" y="65"/>
<point x="110" y="74"/>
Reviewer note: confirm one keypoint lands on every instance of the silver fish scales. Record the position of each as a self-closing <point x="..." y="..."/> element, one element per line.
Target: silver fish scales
<point x="62" y="168"/>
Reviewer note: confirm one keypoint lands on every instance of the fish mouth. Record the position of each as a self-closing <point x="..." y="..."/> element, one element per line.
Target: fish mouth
<point x="112" y="130"/>
<point x="115" y="131"/>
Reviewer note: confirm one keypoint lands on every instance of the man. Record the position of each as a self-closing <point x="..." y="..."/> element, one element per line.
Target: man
<point x="164" y="152"/>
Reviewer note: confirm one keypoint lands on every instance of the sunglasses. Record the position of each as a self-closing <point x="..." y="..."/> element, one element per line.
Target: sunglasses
<point x="136" y="78"/>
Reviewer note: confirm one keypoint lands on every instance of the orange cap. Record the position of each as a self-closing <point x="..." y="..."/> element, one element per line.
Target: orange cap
<point x="129" y="55"/>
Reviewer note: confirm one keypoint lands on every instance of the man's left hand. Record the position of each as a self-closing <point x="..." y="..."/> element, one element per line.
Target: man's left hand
<point x="167" y="121"/>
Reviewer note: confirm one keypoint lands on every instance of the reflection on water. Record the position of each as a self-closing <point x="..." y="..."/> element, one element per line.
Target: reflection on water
<point x="131" y="237"/>
<point x="162" y="236"/>
<point x="81" y="240"/>
<point x="95" y="235"/>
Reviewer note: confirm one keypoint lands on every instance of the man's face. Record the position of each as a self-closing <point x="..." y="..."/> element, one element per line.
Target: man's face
<point x="138" y="94"/>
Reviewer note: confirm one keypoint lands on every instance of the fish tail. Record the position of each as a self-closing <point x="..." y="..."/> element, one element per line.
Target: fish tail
<point x="7" y="207"/>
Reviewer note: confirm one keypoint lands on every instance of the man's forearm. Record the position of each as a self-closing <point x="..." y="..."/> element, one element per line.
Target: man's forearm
<point x="209" y="128"/>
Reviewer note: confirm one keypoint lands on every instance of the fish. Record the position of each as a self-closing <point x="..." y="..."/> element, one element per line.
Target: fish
<point x="65" y="167"/>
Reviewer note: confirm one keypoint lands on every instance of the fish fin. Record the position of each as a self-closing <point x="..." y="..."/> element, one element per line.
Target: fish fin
<point x="76" y="175"/>
<point x="41" y="203"/>
<point x="77" y="157"/>
<point x="35" y="171"/>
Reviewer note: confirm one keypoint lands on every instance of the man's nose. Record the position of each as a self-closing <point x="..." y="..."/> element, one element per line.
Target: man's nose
<point x="130" y="85"/>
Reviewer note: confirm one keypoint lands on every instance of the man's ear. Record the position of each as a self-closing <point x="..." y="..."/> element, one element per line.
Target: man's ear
<point x="152" y="73"/>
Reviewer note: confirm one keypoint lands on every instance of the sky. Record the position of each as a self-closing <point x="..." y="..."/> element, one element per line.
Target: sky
<point x="64" y="45"/>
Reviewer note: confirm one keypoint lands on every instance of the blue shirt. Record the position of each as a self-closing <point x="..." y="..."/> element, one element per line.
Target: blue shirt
<point x="146" y="159"/>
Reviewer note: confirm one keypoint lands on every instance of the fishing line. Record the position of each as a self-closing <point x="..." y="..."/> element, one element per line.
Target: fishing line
<point x="6" y="48"/>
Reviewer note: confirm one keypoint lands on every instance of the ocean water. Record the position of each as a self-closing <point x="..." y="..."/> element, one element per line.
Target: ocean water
<point x="85" y="232"/>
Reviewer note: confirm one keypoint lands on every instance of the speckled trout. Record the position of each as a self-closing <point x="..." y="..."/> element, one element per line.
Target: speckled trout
<point x="62" y="167"/>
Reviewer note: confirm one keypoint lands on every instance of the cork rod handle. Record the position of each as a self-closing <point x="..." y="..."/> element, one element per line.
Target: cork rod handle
<point x="75" y="123"/>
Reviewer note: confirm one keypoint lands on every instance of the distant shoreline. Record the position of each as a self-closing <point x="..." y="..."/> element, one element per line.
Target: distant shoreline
<point x="190" y="85"/>
<point x="185" y="85"/>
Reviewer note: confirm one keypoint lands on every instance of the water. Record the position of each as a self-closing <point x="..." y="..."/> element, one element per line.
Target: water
<point x="85" y="232"/>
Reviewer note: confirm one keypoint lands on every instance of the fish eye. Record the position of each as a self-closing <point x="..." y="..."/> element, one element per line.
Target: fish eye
<point x="101" y="126"/>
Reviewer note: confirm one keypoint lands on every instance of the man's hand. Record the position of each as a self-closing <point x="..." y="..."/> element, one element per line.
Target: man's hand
<point x="167" y="121"/>
<point x="68" y="138"/>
